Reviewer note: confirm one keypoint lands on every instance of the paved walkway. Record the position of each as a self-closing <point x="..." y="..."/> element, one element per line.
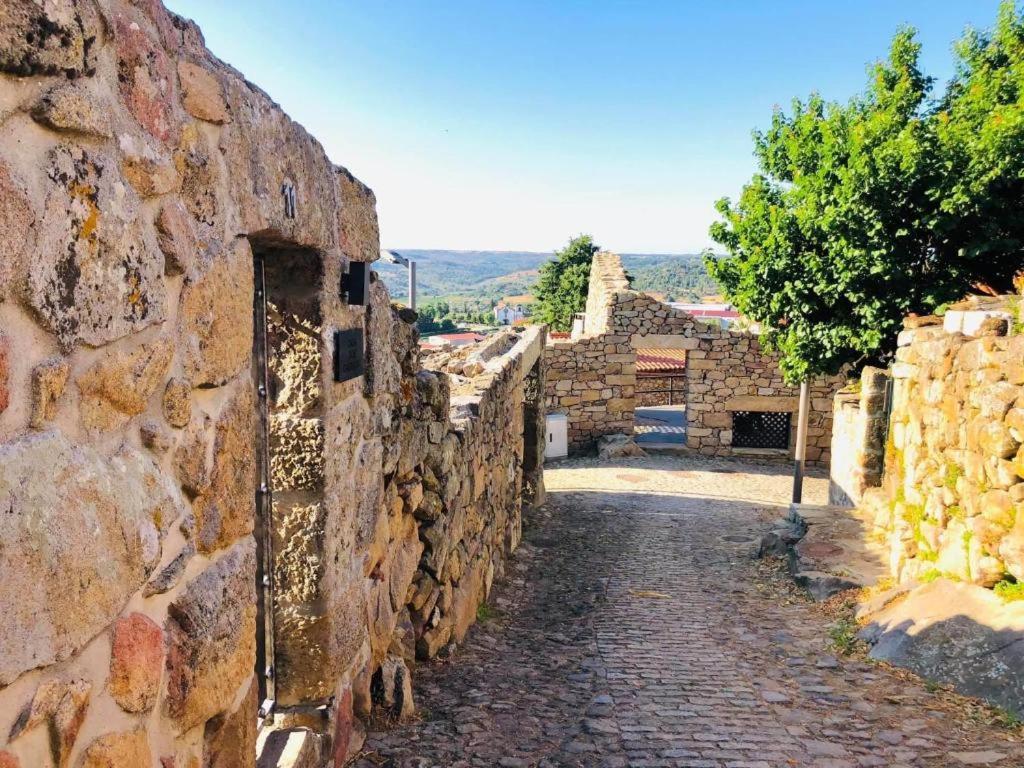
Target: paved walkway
<point x="634" y="628"/>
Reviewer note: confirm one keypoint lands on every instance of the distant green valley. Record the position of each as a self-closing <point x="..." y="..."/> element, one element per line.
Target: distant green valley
<point x="476" y="279"/>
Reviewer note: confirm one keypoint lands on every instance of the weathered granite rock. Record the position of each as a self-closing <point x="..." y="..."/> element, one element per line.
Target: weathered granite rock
<point x="177" y="403"/>
<point x="201" y="94"/>
<point x="191" y="460"/>
<point x="119" y="385"/>
<point x="618" y="447"/>
<point x="48" y="381"/>
<point x="136" y="660"/>
<point x="955" y="633"/>
<point x="171" y="574"/>
<point x="229" y="740"/>
<point x="155" y="436"/>
<point x="74" y="108"/>
<point x="118" y="750"/>
<point x="98" y="272"/>
<point x="61" y="705"/>
<point x="81" y="534"/>
<point x="216" y="345"/>
<point x="211" y="635"/>
<point x="393" y="688"/>
<point x="175" y="235"/>
<point x="16" y="219"/>
<point x="145" y="76"/>
<point x="225" y="510"/>
<point x="49" y="39"/>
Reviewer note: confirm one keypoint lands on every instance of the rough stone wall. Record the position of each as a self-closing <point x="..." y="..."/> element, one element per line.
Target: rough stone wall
<point x="858" y="438"/>
<point x="138" y="176"/>
<point x="952" y="499"/>
<point x="593" y="378"/>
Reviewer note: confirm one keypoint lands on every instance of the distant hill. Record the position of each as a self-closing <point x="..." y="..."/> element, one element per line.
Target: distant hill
<point x="485" y="276"/>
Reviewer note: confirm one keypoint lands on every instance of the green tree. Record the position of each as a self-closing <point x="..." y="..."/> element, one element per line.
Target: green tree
<point x="853" y="221"/>
<point x="979" y="137"/>
<point x="561" y="289"/>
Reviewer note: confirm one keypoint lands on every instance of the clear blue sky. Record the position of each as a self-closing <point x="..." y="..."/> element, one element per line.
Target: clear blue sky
<point x="513" y="124"/>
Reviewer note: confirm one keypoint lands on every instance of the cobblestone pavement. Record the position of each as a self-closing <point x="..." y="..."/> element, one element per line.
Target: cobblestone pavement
<point x="634" y="628"/>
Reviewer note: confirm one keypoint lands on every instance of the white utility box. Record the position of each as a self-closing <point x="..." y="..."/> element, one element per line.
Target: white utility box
<point x="556" y="445"/>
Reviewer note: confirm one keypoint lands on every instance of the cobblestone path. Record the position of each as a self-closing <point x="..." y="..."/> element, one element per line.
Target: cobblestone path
<point x="633" y="628"/>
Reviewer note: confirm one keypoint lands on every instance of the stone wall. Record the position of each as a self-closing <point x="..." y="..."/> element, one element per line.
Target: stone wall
<point x="952" y="498"/>
<point x="140" y="181"/>
<point x="858" y="438"/>
<point x="593" y="378"/>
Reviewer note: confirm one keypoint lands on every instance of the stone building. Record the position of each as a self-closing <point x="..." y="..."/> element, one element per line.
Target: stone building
<point x="950" y="499"/>
<point x="232" y="494"/>
<point x="736" y="400"/>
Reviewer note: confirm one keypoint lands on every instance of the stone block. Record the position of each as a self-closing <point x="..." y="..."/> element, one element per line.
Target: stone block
<point x="225" y="510"/>
<point x="120" y="384"/>
<point x="211" y="636"/>
<point x="215" y="318"/>
<point x="55" y="39"/>
<point x="61" y="706"/>
<point x="81" y="535"/>
<point x="73" y="108"/>
<point x="201" y="94"/>
<point x="136" y="660"/>
<point x="48" y="381"/>
<point x="229" y="739"/>
<point x="97" y="275"/>
<point x="114" y="750"/>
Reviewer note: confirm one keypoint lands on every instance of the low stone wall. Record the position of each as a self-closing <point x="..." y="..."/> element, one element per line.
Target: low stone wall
<point x="952" y="499"/>
<point x="143" y="185"/>
<point x="858" y="438"/>
<point x="593" y="378"/>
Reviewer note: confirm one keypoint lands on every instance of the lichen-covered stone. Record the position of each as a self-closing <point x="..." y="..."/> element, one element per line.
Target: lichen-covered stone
<point x="74" y="108"/>
<point x="98" y="272"/>
<point x="48" y="381"/>
<point x="211" y="635"/>
<point x="215" y="317"/>
<point x="201" y="94"/>
<point x="48" y="38"/>
<point x="136" y="661"/>
<point x="118" y="750"/>
<point x="225" y="510"/>
<point x="81" y="534"/>
<point x="155" y="436"/>
<point x="177" y="403"/>
<point x="119" y="385"/>
<point x="145" y="77"/>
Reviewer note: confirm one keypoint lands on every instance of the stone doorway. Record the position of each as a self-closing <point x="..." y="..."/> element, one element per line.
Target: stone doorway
<point x="288" y="376"/>
<point x="660" y="415"/>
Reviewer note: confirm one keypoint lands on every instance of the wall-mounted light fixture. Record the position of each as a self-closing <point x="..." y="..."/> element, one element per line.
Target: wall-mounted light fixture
<point x="394" y="257"/>
<point x="355" y="284"/>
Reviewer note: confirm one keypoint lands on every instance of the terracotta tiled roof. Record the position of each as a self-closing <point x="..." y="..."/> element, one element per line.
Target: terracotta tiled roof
<point x="656" y="360"/>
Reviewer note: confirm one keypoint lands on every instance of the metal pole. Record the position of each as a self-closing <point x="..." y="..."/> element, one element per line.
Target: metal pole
<point x="412" y="284"/>
<point x="801" y="442"/>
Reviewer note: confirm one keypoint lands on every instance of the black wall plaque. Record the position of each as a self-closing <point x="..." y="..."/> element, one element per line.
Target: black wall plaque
<point x="355" y="283"/>
<point x="348" y="354"/>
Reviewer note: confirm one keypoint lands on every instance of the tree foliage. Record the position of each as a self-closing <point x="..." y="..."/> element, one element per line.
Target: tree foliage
<point x="865" y="211"/>
<point x="561" y="289"/>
